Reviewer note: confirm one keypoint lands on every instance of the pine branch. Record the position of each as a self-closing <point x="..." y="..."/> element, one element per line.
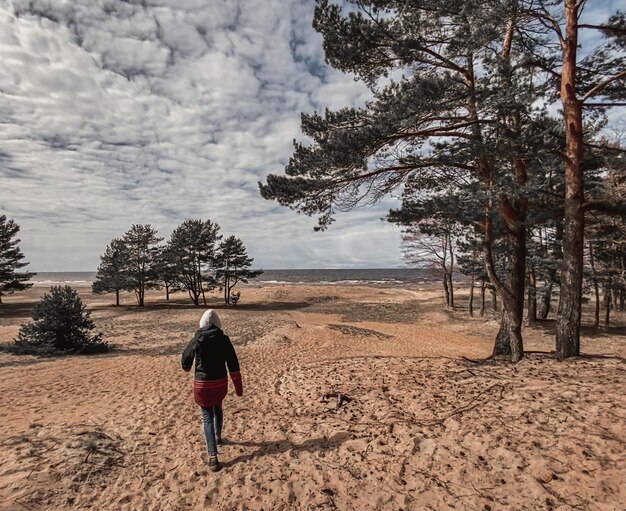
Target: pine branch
<point x="602" y="85"/>
<point x="603" y="207"/>
<point x="608" y="28"/>
<point x="603" y="105"/>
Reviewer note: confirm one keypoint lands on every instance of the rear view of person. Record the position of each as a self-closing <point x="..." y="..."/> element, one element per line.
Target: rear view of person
<point x="212" y="351"/>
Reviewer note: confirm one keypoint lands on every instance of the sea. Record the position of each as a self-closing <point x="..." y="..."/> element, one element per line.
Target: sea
<point x="374" y="276"/>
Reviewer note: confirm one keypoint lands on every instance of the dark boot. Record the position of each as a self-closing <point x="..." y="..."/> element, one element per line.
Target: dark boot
<point x="214" y="464"/>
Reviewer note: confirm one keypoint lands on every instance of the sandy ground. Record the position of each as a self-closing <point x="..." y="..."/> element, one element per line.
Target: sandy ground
<point x="422" y="428"/>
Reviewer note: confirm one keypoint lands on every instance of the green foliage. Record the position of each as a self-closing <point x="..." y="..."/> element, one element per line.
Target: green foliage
<point x="606" y="234"/>
<point x="458" y="121"/>
<point x="141" y="251"/>
<point x="167" y="270"/>
<point x="112" y="275"/>
<point x="61" y="325"/>
<point x="233" y="266"/>
<point x="190" y="260"/>
<point x="11" y="259"/>
<point x="192" y="247"/>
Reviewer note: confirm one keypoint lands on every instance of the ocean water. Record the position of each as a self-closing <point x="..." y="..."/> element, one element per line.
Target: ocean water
<point x="377" y="276"/>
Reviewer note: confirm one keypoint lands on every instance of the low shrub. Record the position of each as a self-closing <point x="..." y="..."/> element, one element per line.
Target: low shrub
<point x="61" y="325"/>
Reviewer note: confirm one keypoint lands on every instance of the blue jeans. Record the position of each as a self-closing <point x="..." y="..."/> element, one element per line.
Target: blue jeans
<point x="212" y="419"/>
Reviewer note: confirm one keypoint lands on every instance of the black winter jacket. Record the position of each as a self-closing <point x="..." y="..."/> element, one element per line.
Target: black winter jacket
<point x="213" y="351"/>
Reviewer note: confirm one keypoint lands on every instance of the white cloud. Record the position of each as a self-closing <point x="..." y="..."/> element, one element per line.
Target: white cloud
<point x="115" y="113"/>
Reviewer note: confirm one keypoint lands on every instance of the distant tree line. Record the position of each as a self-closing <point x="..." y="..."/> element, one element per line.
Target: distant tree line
<point x="195" y="259"/>
<point x="449" y="250"/>
<point x="461" y="123"/>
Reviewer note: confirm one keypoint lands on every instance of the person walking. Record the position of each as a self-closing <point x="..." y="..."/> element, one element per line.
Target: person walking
<point x="213" y="352"/>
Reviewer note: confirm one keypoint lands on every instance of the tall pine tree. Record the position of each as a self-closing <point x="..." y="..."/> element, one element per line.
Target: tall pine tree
<point x="459" y="109"/>
<point x="140" y="243"/>
<point x="193" y="248"/>
<point x="474" y="79"/>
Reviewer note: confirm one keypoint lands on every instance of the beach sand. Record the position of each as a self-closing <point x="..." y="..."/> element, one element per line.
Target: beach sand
<point x="421" y="428"/>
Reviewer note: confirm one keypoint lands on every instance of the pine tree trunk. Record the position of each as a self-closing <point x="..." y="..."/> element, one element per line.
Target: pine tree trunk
<point x="546" y="300"/>
<point x="510" y="332"/>
<point x="494" y="299"/>
<point x="0" y="297"/>
<point x="117" y="297"/>
<point x="471" y="298"/>
<point x="607" y="302"/>
<point x="502" y="345"/>
<point x="570" y="302"/>
<point x="451" y="290"/>
<point x="482" y="298"/>
<point x="167" y="292"/>
<point x="446" y="291"/>
<point x="513" y="301"/>
<point x="226" y="290"/>
<point x="513" y="210"/>
<point x="200" y="284"/>
<point x="532" y="296"/>
<point x="596" y="312"/>
<point x="230" y="289"/>
<point x="449" y="273"/>
<point x="596" y="289"/>
<point x="195" y="296"/>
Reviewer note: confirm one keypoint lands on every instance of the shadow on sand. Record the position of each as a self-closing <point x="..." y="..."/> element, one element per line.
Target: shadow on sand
<point x="17" y="310"/>
<point x="179" y="305"/>
<point x="283" y="446"/>
<point x="548" y="326"/>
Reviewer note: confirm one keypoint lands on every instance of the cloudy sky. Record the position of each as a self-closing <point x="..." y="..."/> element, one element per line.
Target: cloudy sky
<point x="115" y="112"/>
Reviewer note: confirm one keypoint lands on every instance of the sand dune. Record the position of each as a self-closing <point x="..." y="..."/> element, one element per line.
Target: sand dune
<point x="355" y="398"/>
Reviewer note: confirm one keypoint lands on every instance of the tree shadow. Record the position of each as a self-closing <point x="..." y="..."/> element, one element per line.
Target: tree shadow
<point x="179" y="305"/>
<point x="548" y="327"/>
<point x="18" y="310"/>
<point x="605" y="331"/>
<point x="602" y="356"/>
<point x="267" y="448"/>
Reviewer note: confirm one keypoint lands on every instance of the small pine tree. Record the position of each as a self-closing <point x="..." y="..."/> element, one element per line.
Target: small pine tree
<point x="234" y="266"/>
<point x="61" y="325"/>
<point x="235" y="297"/>
<point x="11" y="259"/>
<point x="112" y="272"/>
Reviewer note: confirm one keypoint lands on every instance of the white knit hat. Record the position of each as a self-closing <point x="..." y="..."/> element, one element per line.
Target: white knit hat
<point x="209" y="318"/>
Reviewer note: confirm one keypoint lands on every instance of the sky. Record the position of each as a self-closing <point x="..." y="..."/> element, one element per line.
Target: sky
<point x="121" y="112"/>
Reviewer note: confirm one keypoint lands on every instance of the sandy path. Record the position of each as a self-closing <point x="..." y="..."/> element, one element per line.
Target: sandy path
<point x="424" y="429"/>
